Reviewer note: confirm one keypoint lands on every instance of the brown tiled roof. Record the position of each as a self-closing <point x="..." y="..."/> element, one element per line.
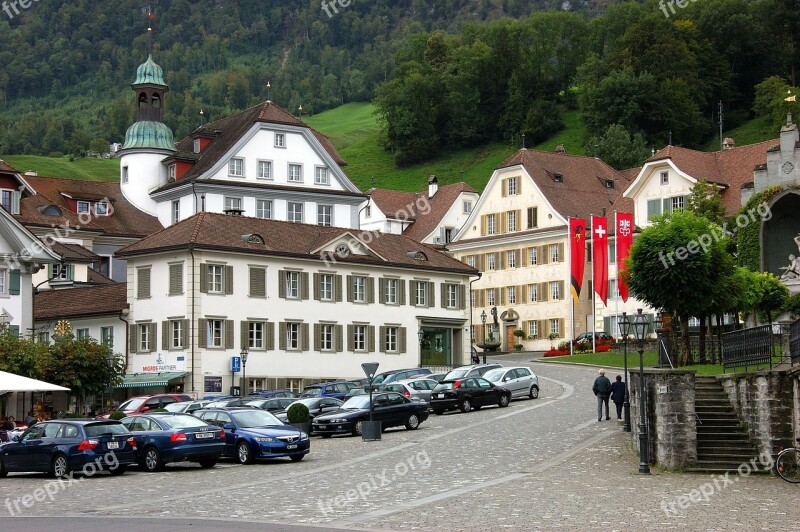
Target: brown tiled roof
<point x="74" y="253"/>
<point x="582" y="191"/>
<point x="227" y="131"/>
<point x="126" y="220"/>
<point x="263" y="186"/>
<point x="95" y="277"/>
<point x="214" y="231"/>
<point x="440" y="203"/>
<point x="630" y="173"/>
<point x="80" y="302"/>
<point x="5" y="167"/>
<point x="392" y="202"/>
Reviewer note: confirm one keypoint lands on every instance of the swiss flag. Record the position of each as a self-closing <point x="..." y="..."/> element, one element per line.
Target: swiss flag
<point x="600" y="257"/>
<point x="624" y="223"/>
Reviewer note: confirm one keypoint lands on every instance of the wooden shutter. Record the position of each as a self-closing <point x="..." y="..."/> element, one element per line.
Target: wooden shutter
<point x="282" y="336"/>
<point x="153" y="337"/>
<point x="185" y="334"/>
<point x="544" y="292"/>
<point x="561" y="257"/>
<point x="607" y="324"/>
<point x="443" y="295"/>
<point x="653" y="208"/>
<point x="504" y="188"/>
<point x="462" y="297"/>
<point x="431" y="295"/>
<point x="304" y="285"/>
<point x="351" y="341"/>
<point x="143" y="288"/>
<point x="339" y="338"/>
<point x="202" y="333"/>
<point x="269" y="332"/>
<point x="544" y="329"/>
<point x="349" y="280"/>
<point x="175" y="279"/>
<point x="382" y="339"/>
<point x="282" y="284"/>
<point x="370" y="290"/>
<point x="401" y="292"/>
<point x="542" y="256"/>
<point x="561" y="330"/>
<point x="244" y="333"/>
<point x="371" y="338"/>
<point x="228" y="324"/>
<point x="522" y="297"/>
<point x="561" y="290"/>
<point x="258" y="282"/>
<point x="204" y="278"/>
<point x="503" y="295"/>
<point x="501" y="223"/>
<point x="483" y="225"/>
<point x="317" y="280"/>
<point x="667" y="205"/>
<point x="337" y="287"/>
<point x="401" y="339"/>
<point x="165" y="343"/>
<point x="13" y="282"/>
<point x="133" y="338"/>
<point x="317" y="337"/>
<point x="382" y="290"/>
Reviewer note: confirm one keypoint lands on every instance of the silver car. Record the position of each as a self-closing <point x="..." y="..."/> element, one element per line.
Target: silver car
<point x="519" y="380"/>
<point x="417" y="388"/>
<point x="187" y="407"/>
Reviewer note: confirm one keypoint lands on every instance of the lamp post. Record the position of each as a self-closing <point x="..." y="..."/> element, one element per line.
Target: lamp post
<point x="625" y="329"/>
<point x="243" y="387"/>
<point x="640" y="326"/>
<point x="483" y="321"/>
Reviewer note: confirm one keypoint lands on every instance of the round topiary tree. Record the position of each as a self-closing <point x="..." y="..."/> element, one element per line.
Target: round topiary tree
<point x="117" y="415"/>
<point x="297" y="413"/>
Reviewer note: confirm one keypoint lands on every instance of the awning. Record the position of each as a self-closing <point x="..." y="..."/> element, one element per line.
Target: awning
<point x="145" y="380"/>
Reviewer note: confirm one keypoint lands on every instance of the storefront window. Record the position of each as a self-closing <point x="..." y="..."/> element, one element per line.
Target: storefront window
<point x="436" y="347"/>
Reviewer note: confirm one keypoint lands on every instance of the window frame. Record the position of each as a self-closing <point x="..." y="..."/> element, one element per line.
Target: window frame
<point x="292" y="278"/>
<point x="321" y="215"/>
<point x="391" y="339"/>
<point x="211" y="269"/>
<point x="290" y="213"/>
<point x="289" y="168"/>
<point x="227" y="203"/>
<point x="211" y="331"/>
<point x="317" y="180"/>
<point x="236" y="164"/>
<point x="280" y="140"/>
<point x="293" y="336"/>
<point x="259" y="168"/>
<point x="256" y="332"/>
<point x="176" y="334"/>
<point x="260" y="203"/>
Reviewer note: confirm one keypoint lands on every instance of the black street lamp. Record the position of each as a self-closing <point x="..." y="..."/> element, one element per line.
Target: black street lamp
<point x="483" y="321"/>
<point x="625" y="329"/>
<point x="243" y="387"/>
<point x="640" y="326"/>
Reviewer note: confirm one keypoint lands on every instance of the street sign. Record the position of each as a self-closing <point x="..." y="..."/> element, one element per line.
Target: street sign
<point x="236" y="364"/>
<point x="369" y="369"/>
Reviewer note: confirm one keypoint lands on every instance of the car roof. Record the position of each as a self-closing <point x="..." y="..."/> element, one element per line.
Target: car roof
<point x="79" y="421"/>
<point x="412" y="379"/>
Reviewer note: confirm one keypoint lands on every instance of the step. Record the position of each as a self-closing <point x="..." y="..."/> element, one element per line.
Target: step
<point x="722" y="437"/>
<point x="715" y="468"/>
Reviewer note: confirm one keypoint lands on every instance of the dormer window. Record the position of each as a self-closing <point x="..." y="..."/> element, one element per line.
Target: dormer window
<point x="664" y="178"/>
<point x="101" y="208"/>
<point x="197" y="145"/>
<point x="558" y="178"/>
<point x="609" y="183"/>
<point x="417" y="255"/>
<point x="171" y="172"/>
<point x="84" y="206"/>
<point x="280" y="140"/>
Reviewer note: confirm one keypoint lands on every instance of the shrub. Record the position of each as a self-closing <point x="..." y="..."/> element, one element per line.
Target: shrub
<point x="297" y="413"/>
<point x="117" y="415"/>
<point x="556" y="353"/>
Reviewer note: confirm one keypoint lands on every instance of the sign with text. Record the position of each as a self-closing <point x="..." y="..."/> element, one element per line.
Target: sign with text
<point x="236" y="364"/>
<point x="212" y="384"/>
<point x="159" y="363"/>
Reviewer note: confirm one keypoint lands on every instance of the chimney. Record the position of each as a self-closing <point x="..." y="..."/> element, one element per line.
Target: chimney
<point x="728" y="143"/>
<point x="789" y="136"/>
<point x="433" y="186"/>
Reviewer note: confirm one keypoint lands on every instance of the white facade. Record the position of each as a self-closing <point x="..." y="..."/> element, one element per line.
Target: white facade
<point x="455" y="218"/>
<point x="141" y="172"/>
<point x="660" y="187"/>
<point x="109" y="329"/>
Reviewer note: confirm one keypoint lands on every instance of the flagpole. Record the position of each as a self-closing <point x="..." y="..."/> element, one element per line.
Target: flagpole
<point x="594" y="289"/>
<point x="571" y="296"/>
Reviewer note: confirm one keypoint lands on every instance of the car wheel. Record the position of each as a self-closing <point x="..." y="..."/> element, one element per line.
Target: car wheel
<point x="326" y="436"/>
<point x="60" y="466"/>
<point x="534" y="392"/>
<point x="438" y="412"/>
<point x="151" y="460"/>
<point x="243" y="453"/>
<point x="505" y="399"/>
<point x="297" y="457"/>
<point x="117" y="471"/>
<point x="358" y="427"/>
<point x="412" y="423"/>
<point x="466" y="406"/>
<point x="207" y="464"/>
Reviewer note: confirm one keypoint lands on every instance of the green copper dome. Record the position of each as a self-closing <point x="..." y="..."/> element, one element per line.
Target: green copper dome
<point x="149" y="134"/>
<point x="149" y="72"/>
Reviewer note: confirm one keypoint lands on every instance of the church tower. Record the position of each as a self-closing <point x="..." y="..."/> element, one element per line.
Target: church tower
<point x="148" y="141"/>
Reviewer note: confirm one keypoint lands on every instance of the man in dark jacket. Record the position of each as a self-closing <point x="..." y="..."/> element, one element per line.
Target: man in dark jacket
<point x="602" y="389"/>
<point x="618" y="395"/>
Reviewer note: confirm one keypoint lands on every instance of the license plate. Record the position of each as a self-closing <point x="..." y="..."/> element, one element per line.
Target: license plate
<point x="439" y="395"/>
<point x="113" y="445"/>
<point x="204" y="435"/>
<point x="291" y="446"/>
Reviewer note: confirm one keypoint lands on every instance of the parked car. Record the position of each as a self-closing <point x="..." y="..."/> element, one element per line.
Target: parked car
<point x="398" y="375"/>
<point x="520" y="381"/>
<point x="222" y="403"/>
<point x="276" y="404"/>
<point x="473" y="370"/>
<point x="186" y="407"/>
<point x="251" y="433"/>
<point x="419" y="388"/>
<point x="145" y="403"/>
<point x="337" y="389"/>
<point x="356" y="392"/>
<point x="274" y="393"/>
<point x="166" y="437"/>
<point x="437" y="376"/>
<point x="316" y="406"/>
<point x="61" y="446"/>
<point x="467" y="394"/>
<point x="390" y="408"/>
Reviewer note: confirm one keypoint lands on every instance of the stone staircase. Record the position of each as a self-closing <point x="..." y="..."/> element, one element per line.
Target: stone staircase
<point x="722" y="441"/>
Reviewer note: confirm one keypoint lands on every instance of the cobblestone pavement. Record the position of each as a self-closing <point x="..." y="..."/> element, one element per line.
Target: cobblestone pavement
<point x="540" y="464"/>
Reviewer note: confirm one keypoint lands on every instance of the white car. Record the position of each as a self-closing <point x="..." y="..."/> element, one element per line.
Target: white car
<point x="418" y="388"/>
<point x="519" y="380"/>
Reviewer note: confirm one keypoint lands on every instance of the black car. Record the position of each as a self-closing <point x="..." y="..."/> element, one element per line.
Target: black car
<point x="61" y="446"/>
<point x="398" y="375"/>
<point x="467" y="394"/>
<point x="390" y="408"/>
<point x="275" y="404"/>
<point x="317" y="406"/>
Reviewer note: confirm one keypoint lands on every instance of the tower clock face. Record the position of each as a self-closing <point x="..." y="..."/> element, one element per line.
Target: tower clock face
<point x="342" y="250"/>
<point x="787" y="167"/>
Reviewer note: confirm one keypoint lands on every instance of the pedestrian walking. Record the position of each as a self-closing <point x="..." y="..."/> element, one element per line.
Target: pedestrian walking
<point x="602" y="390"/>
<point x="618" y="395"/>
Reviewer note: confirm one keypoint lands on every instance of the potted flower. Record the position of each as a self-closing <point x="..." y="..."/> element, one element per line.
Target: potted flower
<point x="519" y="333"/>
<point x="298" y="417"/>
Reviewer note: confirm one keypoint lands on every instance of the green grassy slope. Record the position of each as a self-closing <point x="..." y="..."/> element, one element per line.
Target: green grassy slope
<point x="752" y="131"/>
<point x="80" y="168"/>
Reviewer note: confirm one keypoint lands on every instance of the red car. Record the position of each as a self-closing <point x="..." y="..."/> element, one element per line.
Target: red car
<point x="148" y="403"/>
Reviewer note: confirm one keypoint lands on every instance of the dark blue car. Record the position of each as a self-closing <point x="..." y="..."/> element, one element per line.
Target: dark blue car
<point x="60" y="447"/>
<point x="337" y="390"/>
<point x="263" y="394"/>
<point x="169" y="437"/>
<point x="252" y="433"/>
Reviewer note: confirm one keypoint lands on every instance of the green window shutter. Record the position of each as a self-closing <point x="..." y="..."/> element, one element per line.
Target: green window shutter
<point x="382" y="290"/>
<point x="202" y="333"/>
<point x="401" y="292"/>
<point x="228" y="324"/>
<point x="382" y="339"/>
<point x="317" y="281"/>
<point x="165" y="343"/>
<point x="431" y="295"/>
<point x="370" y="290"/>
<point x="282" y="336"/>
<point x="204" y="278"/>
<point x="401" y="339"/>
<point x="153" y="337"/>
<point x="282" y="284"/>
<point x="666" y="205"/>
<point x="71" y="272"/>
<point x="13" y="283"/>
<point x="462" y="296"/>
<point x="338" y="332"/>
<point x="244" y="333"/>
<point x="351" y="340"/>
<point x="175" y="279"/>
<point x="143" y="288"/>
<point x="371" y="339"/>
<point x="443" y="295"/>
<point x="653" y="208"/>
<point x="185" y="334"/>
<point x="14" y="329"/>
<point x="607" y="324"/>
<point x="258" y="283"/>
<point x="269" y="331"/>
<point x="228" y="279"/>
<point x="304" y="285"/>
<point x="317" y="337"/>
<point x="337" y="287"/>
<point x="304" y="345"/>
<point x="349" y="280"/>
<point x="132" y="338"/>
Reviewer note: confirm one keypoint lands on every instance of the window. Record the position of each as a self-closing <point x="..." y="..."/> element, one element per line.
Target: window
<point x="293" y="336"/>
<point x="295" y="212"/>
<point x="143" y="281"/>
<point x="326" y="287"/>
<point x="359" y="289"/>
<point x="512" y="186"/>
<point x="196" y="146"/>
<point x="533" y="293"/>
<point x="471" y="261"/>
<point x="512" y="221"/>
<point x="83" y="206"/>
<point x="81" y="334"/>
<point x="664" y="178"/>
<point x="255" y="334"/>
<point x="320" y="175"/>
<point x="326" y="337"/>
<point x="368" y="211"/>
<point x="555" y="328"/>
<point x="613" y="289"/>
<point x="264" y="170"/>
<point x="176" y="211"/>
<point x="467" y="207"/>
<point x="325" y="215"/>
<point x="360" y="338"/>
<point x="677" y="203"/>
<point x="390" y="339"/>
<point x="512" y="258"/>
<point x="233" y="204"/>
<point x="391" y="291"/>
<point x="490" y="228"/>
<point x="214" y="333"/>
<point x="421" y="294"/>
<point x="6" y="199"/>
<point x="491" y="261"/>
<point x="177" y="331"/>
<point x="533" y="256"/>
<point x="533" y="217"/>
<point x="555" y="290"/>
<point x="293" y="285"/>
<point x="214" y="279"/>
<point x="263" y="208"/>
<point x="490" y="299"/>
<point x="512" y="295"/>
<point x="43" y="338"/>
<point x="101" y="208"/>
<point x="451" y="294"/>
<point x="236" y="167"/>
<point x="554" y="253"/>
<point x="533" y="328"/>
<point x="107" y="337"/>
<point x="171" y="172"/>
<point x="145" y="339"/>
<point x="295" y="173"/>
<point x="124" y="174"/>
<point x="280" y="140"/>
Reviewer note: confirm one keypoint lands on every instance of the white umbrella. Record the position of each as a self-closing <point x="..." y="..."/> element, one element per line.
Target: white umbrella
<point x="10" y="382"/>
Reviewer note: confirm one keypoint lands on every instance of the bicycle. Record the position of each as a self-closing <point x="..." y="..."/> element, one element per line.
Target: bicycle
<point x="787" y="464"/>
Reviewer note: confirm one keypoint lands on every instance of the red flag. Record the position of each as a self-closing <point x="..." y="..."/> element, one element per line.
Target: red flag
<point x="577" y="254"/>
<point x="600" y="257"/>
<point x="624" y="223"/>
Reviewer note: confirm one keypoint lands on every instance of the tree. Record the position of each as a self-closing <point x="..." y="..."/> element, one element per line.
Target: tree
<point x="773" y="295"/>
<point x="770" y="101"/>
<point x="669" y="269"/>
<point x="619" y="148"/>
<point x="706" y="202"/>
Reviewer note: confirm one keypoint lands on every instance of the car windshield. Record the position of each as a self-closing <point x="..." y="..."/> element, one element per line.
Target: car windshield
<point x="456" y="373"/>
<point x="309" y="401"/>
<point x="132" y="404"/>
<point x="444" y="386"/>
<point x="182" y="422"/>
<point x="255" y="418"/>
<point x="494" y="374"/>
<point x="175" y="407"/>
<point x="100" y="429"/>
<point x="359" y="401"/>
<point x="312" y="392"/>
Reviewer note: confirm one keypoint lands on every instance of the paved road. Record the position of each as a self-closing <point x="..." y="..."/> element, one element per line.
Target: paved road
<point x="540" y="464"/>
